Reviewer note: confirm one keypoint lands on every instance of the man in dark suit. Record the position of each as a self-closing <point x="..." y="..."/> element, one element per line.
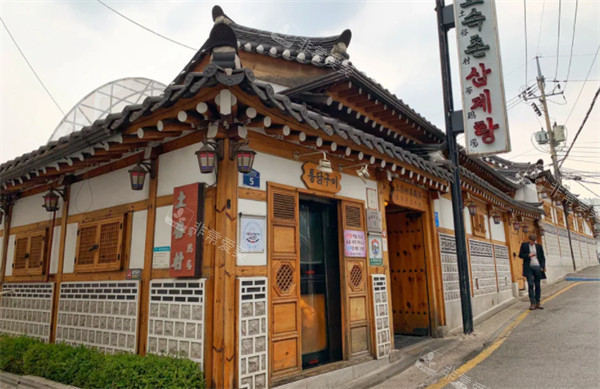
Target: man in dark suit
<point x="534" y="264"/>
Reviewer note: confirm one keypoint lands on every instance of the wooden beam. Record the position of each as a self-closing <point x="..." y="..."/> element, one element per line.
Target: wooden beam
<point x="192" y="118"/>
<point x="224" y="298"/>
<point x="148" y="252"/>
<point x="151" y="134"/>
<point x="172" y="125"/>
<point x="6" y="234"/>
<point x="61" y="261"/>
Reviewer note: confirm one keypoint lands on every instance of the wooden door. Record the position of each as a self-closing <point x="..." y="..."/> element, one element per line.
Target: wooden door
<point x="516" y="238"/>
<point x="410" y="307"/>
<point x="354" y="270"/>
<point x="284" y="248"/>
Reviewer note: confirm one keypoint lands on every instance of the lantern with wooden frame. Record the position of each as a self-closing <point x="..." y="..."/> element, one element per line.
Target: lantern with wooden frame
<point x="211" y="151"/>
<point x="497" y="218"/>
<point x="543" y="195"/>
<point x="472" y="208"/>
<point x="525" y="228"/>
<point x="137" y="175"/>
<point x="51" y="199"/>
<point x="558" y="203"/>
<point x="542" y="231"/>
<point x="516" y="225"/>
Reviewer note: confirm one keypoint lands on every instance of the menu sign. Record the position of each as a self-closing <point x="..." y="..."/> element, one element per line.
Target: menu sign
<point x="186" y="237"/>
<point x="482" y="85"/>
<point x="355" y="244"/>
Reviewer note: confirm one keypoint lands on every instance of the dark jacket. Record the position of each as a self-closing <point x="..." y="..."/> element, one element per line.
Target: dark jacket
<point x="524" y="255"/>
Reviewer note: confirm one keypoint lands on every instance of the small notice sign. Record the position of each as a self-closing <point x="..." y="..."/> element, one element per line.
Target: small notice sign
<point x="133" y="274"/>
<point x="375" y="250"/>
<point x="252" y="179"/>
<point x="252" y="233"/>
<point x="374" y="222"/>
<point x="354" y="243"/>
<point x="315" y="179"/>
<point x="160" y="257"/>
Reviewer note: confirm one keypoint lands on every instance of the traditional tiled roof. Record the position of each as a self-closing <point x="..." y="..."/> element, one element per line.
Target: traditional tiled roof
<point x="547" y="175"/>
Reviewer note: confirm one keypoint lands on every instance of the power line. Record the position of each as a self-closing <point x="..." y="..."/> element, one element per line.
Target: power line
<point x="525" y="28"/>
<point x="588" y="189"/>
<point x="581" y="127"/>
<point x="558" y="37"/>
<point x="31" y="67"/>
<point x="572" y="42"/>
<point x="146" y="28"/>
<point x="583" y="86"/>
<point x="537" y="49"/>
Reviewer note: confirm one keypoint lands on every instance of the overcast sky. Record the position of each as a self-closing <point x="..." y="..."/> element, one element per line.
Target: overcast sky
<point x="77" y="46"/>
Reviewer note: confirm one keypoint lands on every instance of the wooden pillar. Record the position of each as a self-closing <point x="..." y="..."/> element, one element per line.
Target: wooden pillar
<point x="224" y="297"/>
<point x="6" y="235"/>
<point x="148" y="252"/>
<point x="61" y="261"/>
<point x="437" y="308"/>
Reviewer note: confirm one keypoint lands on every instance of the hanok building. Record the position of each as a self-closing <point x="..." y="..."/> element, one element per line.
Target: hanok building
<point x="295" y="213"/>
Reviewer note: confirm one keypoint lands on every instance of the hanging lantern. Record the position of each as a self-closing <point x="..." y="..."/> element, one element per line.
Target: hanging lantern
<point x="542" y="231"/>
<point x="206" y="158"/>
<point x="525" y="228"/>
<point x="51" y="201"/>
<point x="472" y="208"/>
<point x="558" y="203"/>
<point x="245" y="158"/>
<point x="543" y="195"/>
<point x="569" y="208"/>
<point x="497" y="218"/>
<point x="137" y="175"/>
<point x="516" y="225"/>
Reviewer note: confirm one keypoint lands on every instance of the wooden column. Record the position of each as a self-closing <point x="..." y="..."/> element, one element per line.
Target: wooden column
<point x="437" y="308"/>
<point x="148" y="252"/>
<point x="224" y="298"/>
<point x="61" y="261"/>
<point x="6" y="235"/>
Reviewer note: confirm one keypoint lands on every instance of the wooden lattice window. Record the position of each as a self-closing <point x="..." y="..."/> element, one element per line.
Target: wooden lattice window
<point x="30" y="253"/>
<point x="356" y="276"/>
<point x="548" y="212"/>
<point x="100" y="245"/>
<point x="353" y="217"/>
<point x="560" y="218"/>
<point x="478" y="224"/>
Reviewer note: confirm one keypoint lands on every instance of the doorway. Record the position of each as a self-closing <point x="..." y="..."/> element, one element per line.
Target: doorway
<point x="320" y="302"/>
<point x="408" y="271"/>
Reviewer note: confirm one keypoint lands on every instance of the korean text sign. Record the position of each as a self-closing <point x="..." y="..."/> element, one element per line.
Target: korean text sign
<point x="186" y="244"/>
<point x="482" y="85"/>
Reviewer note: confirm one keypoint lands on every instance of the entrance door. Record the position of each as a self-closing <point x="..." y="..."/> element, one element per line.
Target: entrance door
<point x="408" y="272"/>
<point x="320" y="303"/>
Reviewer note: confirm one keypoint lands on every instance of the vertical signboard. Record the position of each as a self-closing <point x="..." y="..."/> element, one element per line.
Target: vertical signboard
<point x="482" y="86"/>
<point x="186" y="231"/>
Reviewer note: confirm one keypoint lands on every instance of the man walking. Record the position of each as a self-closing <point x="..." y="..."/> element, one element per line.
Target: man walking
<point x="534" y="263"/>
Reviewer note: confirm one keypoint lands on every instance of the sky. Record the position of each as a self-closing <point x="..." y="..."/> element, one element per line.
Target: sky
<point x="77" y="46"/>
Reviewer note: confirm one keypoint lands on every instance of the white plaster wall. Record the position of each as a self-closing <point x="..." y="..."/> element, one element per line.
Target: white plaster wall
<point x="10" y="252"/>
<point x="70" y="248"/>
<point x="259" y="208"/>
<point x="497" y="231"/>
<point x="29" y="210"/>
<point x="104" y="191"/>
<point x="55" y="250"/>
<point x="138" y="240"/>
<point x="487" y="222"/>
<point x="288" y="172"/>
<point x="180" y="167"/>
<point x="444" y="209"/>
<point x="1" y="245"/>
<point x="453" y="315"/>
<point x="467" y="219"/>
<point x="162" y="230"/>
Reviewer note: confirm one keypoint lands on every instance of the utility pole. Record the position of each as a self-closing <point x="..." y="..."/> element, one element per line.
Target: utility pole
<point x="454" y="126"/>
<point x="541" y="87"/>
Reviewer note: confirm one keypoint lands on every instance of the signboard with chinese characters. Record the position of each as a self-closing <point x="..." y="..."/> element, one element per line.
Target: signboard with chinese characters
<point x="186" y="237"/>
<point x="482" y="86"/>
<point x="252" y="233"/>
<point x="375" y="250"/>
<point x="354" y="244"/>
<point x="374" y="222"/>
<point x="313" y="178"/>
<point x="409" y="196"/>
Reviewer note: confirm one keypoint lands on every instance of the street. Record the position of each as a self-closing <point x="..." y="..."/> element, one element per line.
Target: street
<point x="557" y="347"/>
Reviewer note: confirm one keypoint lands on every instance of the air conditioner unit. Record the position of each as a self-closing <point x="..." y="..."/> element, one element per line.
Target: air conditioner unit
<point x="541" y="137"/>
<point x="559" y="133"/>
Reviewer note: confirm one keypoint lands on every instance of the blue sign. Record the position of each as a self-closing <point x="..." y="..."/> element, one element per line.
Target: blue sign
<point x="437" y="219"/>
<point x="252" y="179"/>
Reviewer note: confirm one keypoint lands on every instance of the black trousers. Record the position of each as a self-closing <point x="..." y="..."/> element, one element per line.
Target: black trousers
<point x="533" y="282"/>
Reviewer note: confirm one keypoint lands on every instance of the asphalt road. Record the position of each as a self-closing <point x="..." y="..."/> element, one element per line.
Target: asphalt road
<point x="558" y="347"/>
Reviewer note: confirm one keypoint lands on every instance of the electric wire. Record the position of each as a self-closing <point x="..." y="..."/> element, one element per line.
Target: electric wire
<point x="537" y="49"/>
<point x="582" y="124"/>
<point x="525" y="30"/>
<point x="146" y="28"/>
<point x="572" y="43"/>
<point x="31" y="67"/>
<point x="583" y="86"/>
<point x="588" y="189"/>
<point x="558" y="38"/>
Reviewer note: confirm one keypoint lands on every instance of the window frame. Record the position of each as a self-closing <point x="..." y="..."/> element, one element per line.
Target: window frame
<point x="97" y="266"/>
<point x="27" y="270"/>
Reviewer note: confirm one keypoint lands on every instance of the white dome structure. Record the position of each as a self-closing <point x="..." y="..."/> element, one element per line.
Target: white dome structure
<point x="109" y="98"/>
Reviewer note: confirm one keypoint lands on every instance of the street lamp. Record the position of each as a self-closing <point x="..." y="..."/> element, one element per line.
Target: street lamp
<point x="516" y="225"/>
<point x="525" y="228"/>
<point x="497" y="218"/>
<point x="206" y="158"/>
<point x="472" y="208"/>
<point x="245" y="158"/>
<point x="208" y="153"/>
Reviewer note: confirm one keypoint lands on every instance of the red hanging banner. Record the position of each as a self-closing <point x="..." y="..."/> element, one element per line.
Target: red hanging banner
<point x="187" y="231"/>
